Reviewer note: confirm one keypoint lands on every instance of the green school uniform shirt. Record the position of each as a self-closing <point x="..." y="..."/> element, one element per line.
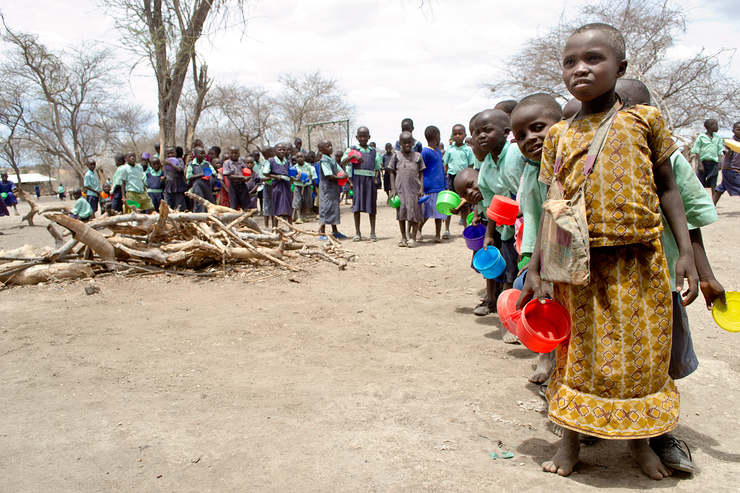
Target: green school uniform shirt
<point x="697" y="203"/>
<point x="533" y="194"/>
<point x="501" y="178"/>
<point x="267" y="168"/>
<point x="134" y="178"/>
<point x="457" y="158"/>
<point x="189" y="169"/>
<point x="91" y="180"/>
<point x="117" y="175"/>
<point x="708" y="148"/>
<point x="351" y="171"/>
<point x="326" y="162"/>
<point x="310" y="172"/>
<point x="82" y="208"/>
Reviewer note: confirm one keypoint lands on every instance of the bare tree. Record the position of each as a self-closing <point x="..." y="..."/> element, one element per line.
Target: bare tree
<point x="687" y="90"/>
<point x="70" y="94"/>
<point x="131" y="126"/>
<point x="248" y="110"/>
<point x="13" y="111"/>
<point x="310" y="98"/>
<point x="164" y="33"/>
<point x="194" y="102"/>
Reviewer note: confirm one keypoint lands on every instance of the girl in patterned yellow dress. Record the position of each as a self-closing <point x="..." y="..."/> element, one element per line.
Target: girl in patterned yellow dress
<point x="611" y="377"/>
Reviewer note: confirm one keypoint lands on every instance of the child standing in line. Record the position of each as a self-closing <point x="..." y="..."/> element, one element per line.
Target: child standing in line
<point x="61" y="192"/>
<point x="267" y="204"/>
<point x="364" y="168"/>
<point x="707" y="150"/>
<point x="530" y="121"/>
<point x="116" y="198"/>
<point x="434" y="182"/>
<point x="233" y="171"/>
<point x="133" y="185"/>
<point x="328" y="191"/>
<point x="302" y="193"/>
<point x="37" y="189"/>
<point x="6" y="188"/>
<point x="92" y="186"/>
<point x="617" y="356"/>
<point x="277" y="170"/>
<point x="200" y="183"/>
<point x="82" y="209"/>
<point x="155" y="181"/>
<point x="730" y="170"/>
<point x="348" y="185"/>
<point x="458" y="157"/>
<point x="175" y="183"/>
<point x="407" y="181"/>
<point x="253" y="182"/>
<point x="386" y="172"/>
<point x="407" y="125"/>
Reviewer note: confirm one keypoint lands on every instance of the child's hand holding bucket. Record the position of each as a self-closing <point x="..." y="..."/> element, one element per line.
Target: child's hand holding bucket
<point x="534" y="287"/>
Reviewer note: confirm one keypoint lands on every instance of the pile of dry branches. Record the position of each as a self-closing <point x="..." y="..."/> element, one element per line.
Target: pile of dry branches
<point x="181" y="243"/>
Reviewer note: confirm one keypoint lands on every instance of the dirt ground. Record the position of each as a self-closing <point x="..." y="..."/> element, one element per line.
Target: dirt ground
<point x="377" y="378"/>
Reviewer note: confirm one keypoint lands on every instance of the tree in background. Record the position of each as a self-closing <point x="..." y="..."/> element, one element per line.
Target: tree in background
<point x="164" y="33"/>
<point x="310" y="98"/>
<point x="69" y="96"/>
<point x="687" y="90"/>
<point x="249" y="111"/>
<point x="14" y="147"/>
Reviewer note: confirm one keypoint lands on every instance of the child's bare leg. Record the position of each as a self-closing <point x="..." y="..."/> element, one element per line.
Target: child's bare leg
<point x="267" y="221"/>
<point x="372" y="225"/>
<point x="651" y="464"/>
<point x="288" y="218"/>
<point x="421" y="226"/>
<point x="545" y="364"/>
<point x="402" y="226"/>
<point x="437" y="230"/>
<point x="566" y="457"/>
<point x="322" y="229"/>
<point x="488" y="305"/>
<point x="413" y="226"/>
<point x="357" y="224"/>
<point x="446" y="234"/>
<point x="334" y="229"/>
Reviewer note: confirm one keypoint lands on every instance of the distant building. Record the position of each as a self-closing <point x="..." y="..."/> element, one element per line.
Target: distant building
<point x="30" y="180"/>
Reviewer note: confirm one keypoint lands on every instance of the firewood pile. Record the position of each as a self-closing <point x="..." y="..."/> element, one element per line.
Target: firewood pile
<point x="210" y="243"/>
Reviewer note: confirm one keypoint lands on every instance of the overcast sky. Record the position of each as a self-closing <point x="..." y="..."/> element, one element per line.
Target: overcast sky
<point x="392" y="59"/>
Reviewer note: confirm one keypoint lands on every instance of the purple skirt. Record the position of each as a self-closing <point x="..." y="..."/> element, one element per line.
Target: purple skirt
<point x="430" y="208"/>
<point x="282" y="198"/>
<point x="365" y="197"/>
<point x="730" y="182"/>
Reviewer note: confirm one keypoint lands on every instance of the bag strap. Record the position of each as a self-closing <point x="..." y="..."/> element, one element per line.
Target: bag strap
<point x="597" y="143"/>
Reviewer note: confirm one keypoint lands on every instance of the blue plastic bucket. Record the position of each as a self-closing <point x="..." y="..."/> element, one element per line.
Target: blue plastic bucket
<point x="489" y="262"/>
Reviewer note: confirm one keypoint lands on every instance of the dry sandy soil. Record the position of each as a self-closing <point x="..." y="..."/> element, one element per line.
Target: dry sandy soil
<point x="377" y="378"/>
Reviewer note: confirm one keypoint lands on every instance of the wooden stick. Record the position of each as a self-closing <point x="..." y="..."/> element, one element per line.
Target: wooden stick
<point x="251" y="247"/>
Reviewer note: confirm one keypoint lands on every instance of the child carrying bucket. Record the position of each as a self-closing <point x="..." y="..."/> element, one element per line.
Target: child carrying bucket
<point x="611" y="378"/>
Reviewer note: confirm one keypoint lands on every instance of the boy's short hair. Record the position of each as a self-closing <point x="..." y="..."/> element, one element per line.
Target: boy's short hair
<point x="471" y="123"/>
<point x="616" y="40"/>
<point x="633" y="91"/>
<point x="736" y="124"/>
<point x="506" y="106"/>
<point x="551" y="107"/>
<point x="431" y="132"/>
<point x="709" y="121"/>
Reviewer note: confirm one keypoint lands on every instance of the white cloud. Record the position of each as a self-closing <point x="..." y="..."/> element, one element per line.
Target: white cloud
<point x="377" y="92"/>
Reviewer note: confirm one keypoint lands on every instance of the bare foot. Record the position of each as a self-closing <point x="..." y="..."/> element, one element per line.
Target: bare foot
<point x="567" y="455"/>
<point x="544" y="368"/>
<point x="508" y="337"/>
<point x="557" y="430"/>
<point x="651" y="464"/>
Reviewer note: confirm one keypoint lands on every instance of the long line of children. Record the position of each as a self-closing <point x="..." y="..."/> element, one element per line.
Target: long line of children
<point x="614" y="377"/>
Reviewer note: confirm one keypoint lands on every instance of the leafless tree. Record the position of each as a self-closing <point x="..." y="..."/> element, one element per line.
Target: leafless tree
<point x="131" y="126"/>
<point x="70" y="93"/>
<point x="164" y="34"/>
<point x="687" y="90"/>
<point x="249" y="111"/>
<point x="194" y="102"/>
<point x="13" y="111"/>
<point x="310" y="98"/>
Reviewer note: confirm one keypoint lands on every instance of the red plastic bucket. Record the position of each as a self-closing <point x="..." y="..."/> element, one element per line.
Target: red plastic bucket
<point x="342" y="178"/>
<point x="503" y="210"/>
<point x="506" y="309"/>
<point x="543" y="326"/>
<point x="246" y="172"/>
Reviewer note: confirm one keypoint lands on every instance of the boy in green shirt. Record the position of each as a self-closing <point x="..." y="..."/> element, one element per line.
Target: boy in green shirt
<point x="82" y="209"/>
<point x="707" y="148"/>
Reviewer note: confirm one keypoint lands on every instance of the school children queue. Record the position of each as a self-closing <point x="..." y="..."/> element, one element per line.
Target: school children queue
<point x="610" y="162"/>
